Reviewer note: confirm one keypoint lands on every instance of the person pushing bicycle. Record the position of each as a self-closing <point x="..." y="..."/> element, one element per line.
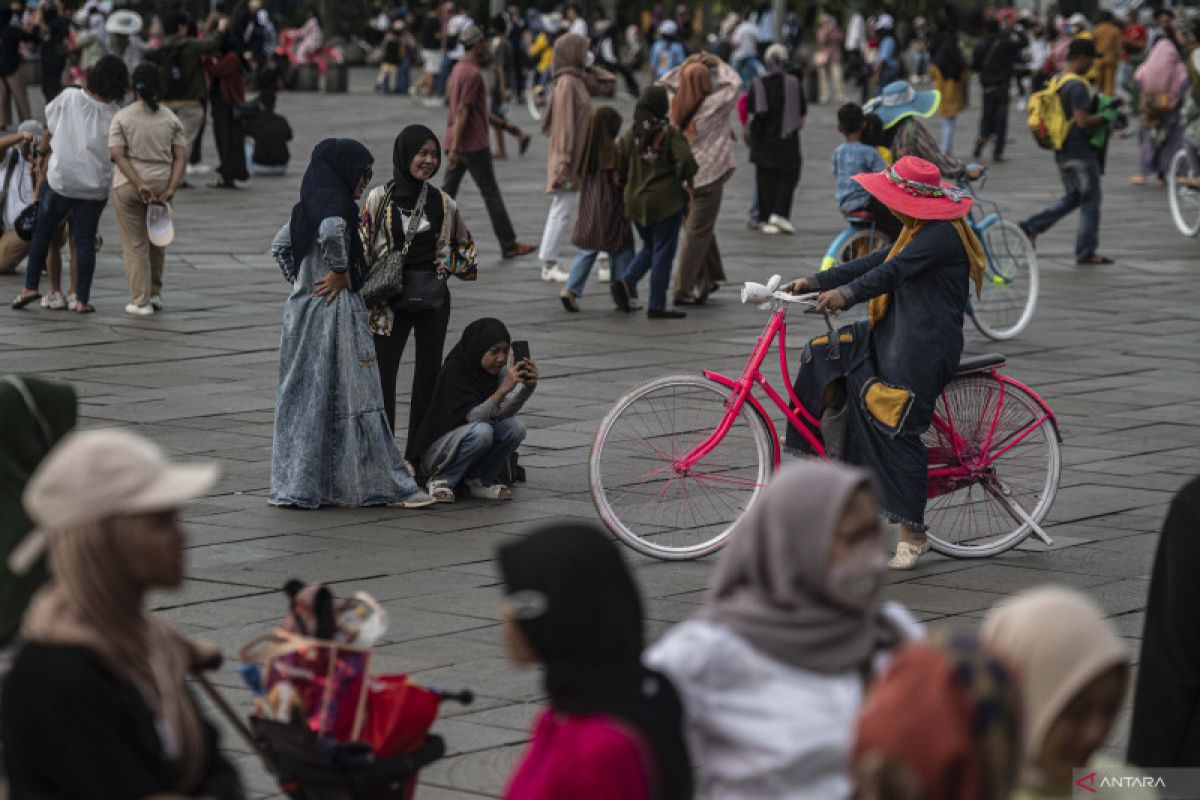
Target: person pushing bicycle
<point x="875" y="388"/>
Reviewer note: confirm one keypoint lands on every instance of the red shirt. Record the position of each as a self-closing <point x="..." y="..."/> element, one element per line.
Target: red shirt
<point x="582" y="758"/>
<point x="466" y="89"/>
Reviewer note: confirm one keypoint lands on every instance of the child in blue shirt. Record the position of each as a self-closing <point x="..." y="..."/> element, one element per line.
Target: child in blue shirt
<point x="852" y="157"/>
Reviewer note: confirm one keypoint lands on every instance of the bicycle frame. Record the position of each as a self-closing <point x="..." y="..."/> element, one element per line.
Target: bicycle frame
<point x="972" y="466"/>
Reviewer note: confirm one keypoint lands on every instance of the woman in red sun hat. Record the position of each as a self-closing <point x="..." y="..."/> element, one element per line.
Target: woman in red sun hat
<point x="881" y="386"/>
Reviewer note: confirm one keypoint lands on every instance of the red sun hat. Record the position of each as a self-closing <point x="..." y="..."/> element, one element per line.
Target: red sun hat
<point x="913" y="187"/>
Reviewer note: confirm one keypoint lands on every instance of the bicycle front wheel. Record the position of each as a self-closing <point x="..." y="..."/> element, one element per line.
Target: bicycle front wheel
<point x="991" y="443"/>
<point x="1009" y="293"/>
<point x="1185" y="196"/>
<point x="646" y="498"/>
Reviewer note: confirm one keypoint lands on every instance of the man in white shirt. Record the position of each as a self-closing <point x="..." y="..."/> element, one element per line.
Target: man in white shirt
<point x="574" y="18"/>
<point x="745" y="51"/>
<point x="79" y="175"/>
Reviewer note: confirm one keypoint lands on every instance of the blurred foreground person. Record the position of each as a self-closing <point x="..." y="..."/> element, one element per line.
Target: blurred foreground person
<point x="96" y="704"/>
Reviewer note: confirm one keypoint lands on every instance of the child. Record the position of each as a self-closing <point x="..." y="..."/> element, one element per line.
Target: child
<point x="852" y="157"/>
<point x="855" y="156"/>
<point x="656" y="162"/>
<point x="601" y="225"/>
<point x="270" y="134"/>
<point x="471" y="428"/>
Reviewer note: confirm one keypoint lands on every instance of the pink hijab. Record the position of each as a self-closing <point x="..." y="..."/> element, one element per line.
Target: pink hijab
<point x="1163" y="72"/>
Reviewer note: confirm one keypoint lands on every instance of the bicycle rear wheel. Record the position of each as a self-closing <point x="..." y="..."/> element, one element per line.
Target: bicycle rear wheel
<point x="976" y="417"/>
<point x="1185" y="196"/>
<point x="645" y="499"/>
<point x="1010" y="282"/>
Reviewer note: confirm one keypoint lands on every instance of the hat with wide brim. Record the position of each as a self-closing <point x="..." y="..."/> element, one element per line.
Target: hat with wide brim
<point x="126" y="22"/>
<point x="913" y="187"/>
<point x="899" y="100"/>
<point x="98" y="474"/>
<point x="159" y="227"/>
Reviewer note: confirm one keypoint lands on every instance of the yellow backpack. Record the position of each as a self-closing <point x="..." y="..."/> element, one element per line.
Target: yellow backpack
<point x="1044" y="112"/>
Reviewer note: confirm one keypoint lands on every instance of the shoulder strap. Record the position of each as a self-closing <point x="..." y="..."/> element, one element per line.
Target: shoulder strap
<point x="47" y="434"/>
<point x="13" y="158"/>
<point x="414" y="221"/>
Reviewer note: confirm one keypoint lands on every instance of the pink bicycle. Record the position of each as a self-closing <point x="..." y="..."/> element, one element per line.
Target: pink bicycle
<point x="679" y="459"/>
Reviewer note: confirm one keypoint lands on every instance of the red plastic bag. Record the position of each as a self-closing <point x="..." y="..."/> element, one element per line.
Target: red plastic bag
<point x="399" y="715"/>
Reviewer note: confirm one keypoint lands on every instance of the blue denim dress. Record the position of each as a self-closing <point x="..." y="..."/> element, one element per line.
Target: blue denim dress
<point x="332" y="444"/>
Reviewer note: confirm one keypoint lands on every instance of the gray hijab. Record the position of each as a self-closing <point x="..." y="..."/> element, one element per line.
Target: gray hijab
<point x="769" y="586"/>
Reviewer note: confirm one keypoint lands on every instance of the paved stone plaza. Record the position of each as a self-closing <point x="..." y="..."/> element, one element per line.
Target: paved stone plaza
<point x="1112" y="349"/>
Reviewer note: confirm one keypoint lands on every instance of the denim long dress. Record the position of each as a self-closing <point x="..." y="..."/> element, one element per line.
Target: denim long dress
<point x="893" y="373"/>
<point x="332" y="444"/>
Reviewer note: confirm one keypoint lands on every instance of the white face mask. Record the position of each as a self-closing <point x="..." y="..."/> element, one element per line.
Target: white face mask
<point x="857" y="579"/>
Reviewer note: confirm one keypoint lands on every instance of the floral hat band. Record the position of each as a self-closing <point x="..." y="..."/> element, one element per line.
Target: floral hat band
<point x="913" y="187"/>
<point x="919" y="189"/>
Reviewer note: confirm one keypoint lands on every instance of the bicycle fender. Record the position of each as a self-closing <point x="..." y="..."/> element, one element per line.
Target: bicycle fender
<point x="730" y="383"/>
<point x="1037" y="398"/>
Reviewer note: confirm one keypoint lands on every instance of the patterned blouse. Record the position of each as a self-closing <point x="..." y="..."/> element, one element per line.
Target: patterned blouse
<point x="713" y="146"/>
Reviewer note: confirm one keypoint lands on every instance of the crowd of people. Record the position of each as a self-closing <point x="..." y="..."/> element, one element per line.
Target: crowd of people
<point x="793" y="679"/>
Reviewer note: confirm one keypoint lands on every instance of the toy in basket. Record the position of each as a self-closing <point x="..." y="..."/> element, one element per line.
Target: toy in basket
<point x="327" y="728"/>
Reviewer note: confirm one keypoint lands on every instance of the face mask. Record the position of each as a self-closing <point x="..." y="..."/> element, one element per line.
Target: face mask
<point x="857" y="579"/>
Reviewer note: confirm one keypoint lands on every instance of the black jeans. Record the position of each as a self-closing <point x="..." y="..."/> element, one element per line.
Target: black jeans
<point x="483" y="172"/>
<point x="993" y="123"/>
<point x="775" y="190"/>
<point x="430" y="329"/>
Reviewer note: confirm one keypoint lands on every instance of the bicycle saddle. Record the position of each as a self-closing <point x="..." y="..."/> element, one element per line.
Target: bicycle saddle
<point x="980" y="363"/>
<point x="860" y="217"/>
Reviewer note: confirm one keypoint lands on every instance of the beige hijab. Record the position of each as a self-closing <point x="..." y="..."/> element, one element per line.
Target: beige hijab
<point x="1059" y="641"/>
<point x="91" y="603"/>
<point x="770" y="584"/>
<point x="566" y="118"/>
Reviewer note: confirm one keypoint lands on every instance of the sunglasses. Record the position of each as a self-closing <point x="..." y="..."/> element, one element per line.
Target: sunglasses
<point x="368" y="175"/>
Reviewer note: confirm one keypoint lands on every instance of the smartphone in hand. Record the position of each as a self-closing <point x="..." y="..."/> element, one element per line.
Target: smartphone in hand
<point x="520" y="351"/>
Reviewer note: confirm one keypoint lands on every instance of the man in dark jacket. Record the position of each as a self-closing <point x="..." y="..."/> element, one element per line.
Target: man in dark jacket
<point x="184" y="89"/>
<point x="995" y="59"/>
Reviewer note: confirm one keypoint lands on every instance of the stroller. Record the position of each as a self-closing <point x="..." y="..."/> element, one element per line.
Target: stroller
<point x="323" y="725"/>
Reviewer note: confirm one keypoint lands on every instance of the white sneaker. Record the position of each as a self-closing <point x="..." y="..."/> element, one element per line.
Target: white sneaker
<point x="782" y="223"/>
<point x="603" y="273"/>
<point x="198" y="169"/>
<point x="770" y="229"/>
<point x="54" y="301"/>
<point x="156" y="302"/>
<point x="552" y="272"/>
<point x="139" y="311"/>
<point x="71" y="302"/>
<point x="433" y="102"/>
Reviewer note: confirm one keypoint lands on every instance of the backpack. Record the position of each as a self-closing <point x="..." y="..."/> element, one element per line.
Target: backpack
<point x="1047" y="121"/>
<point x="175" y="82"/>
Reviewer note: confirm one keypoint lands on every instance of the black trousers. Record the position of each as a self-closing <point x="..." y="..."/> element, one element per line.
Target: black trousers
<point x="483" y="172"/>
<point x="430" y="330"/>
<point x="993" y="122"/>
<point x="197" y="154"/>
<point x="775" y="190"/>
<point x="52" y="72"/>
<point x="230" y="141"/>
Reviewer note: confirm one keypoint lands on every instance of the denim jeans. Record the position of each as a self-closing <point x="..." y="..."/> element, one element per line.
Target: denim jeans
<point x="993" y="123"/>
<point x="586" y="259"/>
<point x="1081" y="179"/>
<point x="659" y="242"/>
<point x="484" y="451"/>
<point x="85" y="219"/>
<point x="748" y="68"/>
<point x="947" y="142"/>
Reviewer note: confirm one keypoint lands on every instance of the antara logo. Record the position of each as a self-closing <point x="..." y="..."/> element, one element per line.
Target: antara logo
<point x="1087" y="782"/>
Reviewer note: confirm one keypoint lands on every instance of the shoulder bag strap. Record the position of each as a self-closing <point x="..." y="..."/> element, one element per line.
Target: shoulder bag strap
<point x="47" y="434"/>
<point x="13" y="158"/>
<point x="414" y="222"/>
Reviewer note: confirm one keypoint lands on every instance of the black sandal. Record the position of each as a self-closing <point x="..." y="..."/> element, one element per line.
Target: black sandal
<point x="620" y="294"/>
<point x="21" y="302"/>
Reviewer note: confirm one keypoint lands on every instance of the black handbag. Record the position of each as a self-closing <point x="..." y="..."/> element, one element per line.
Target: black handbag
<point x="25" y="222"/>
<point x="424" y="290"/>
<point x="385" y="281"/>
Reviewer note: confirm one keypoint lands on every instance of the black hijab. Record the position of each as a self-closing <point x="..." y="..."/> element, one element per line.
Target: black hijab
<point x="651" y="117"/>
<point x="463" y="383"/>
<point x="590" y="640"/>
<point x="327" y="190"/>
<point x="405" y="187"/>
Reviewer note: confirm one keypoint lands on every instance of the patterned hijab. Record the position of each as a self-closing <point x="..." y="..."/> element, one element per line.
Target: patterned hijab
<point x="947" y="713"/>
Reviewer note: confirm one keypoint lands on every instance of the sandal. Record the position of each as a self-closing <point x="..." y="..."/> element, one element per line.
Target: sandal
<point x="1094" y="258"/>
<point x="620" y="295"/>
<point x="1137" y="180"/>
<point x="21" y="302"/>
<point x="907" y="555"/>
<point x="497" y="491"/>
<point x="83" y="307"/>
<point x="440" y="490"/>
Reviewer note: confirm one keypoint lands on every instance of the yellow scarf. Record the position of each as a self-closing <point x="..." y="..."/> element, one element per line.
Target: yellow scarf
<point x="878" y="307"/>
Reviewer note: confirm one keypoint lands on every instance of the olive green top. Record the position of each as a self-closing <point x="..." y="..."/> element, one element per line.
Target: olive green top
<point x="654" y="189"/>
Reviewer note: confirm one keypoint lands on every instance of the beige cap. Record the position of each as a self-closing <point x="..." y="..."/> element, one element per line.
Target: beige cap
<point x="93" y="475"/>
<point x="470" y="36"/>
